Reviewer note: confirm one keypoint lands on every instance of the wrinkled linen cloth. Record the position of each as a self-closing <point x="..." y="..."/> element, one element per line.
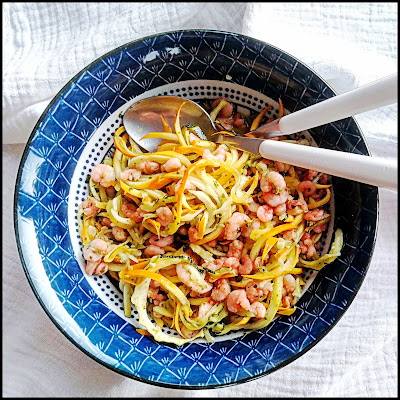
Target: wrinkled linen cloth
<point x="348" y="44"/>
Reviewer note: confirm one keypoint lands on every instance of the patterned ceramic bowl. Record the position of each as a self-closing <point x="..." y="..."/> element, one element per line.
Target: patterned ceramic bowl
<point x="75" y="132"/>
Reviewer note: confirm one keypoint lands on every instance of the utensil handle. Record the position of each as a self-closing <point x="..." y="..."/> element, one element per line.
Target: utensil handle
<point x="365" y="169"/>
<point x="371" y="96"/>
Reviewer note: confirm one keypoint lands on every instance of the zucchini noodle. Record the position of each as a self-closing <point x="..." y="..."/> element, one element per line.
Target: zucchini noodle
<point x="204" y="238"/>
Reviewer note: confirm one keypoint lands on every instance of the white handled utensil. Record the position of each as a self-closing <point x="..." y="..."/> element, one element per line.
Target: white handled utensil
<point x="368" y="97"/>
<point x="360" y="168"/>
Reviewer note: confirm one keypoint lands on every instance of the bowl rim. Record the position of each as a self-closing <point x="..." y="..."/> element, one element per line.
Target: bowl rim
<point x="32" y="285"/>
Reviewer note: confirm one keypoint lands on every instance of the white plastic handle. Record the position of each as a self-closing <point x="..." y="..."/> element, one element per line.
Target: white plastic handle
<point x="374" y="95"/>
<point x="365" y="169"/>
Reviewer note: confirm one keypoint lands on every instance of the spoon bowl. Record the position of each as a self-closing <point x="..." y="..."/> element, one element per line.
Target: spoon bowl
<point x="144" y="117"/>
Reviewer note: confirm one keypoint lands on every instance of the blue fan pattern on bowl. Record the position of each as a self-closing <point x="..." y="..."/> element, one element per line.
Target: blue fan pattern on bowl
<point x="48" y="165"/>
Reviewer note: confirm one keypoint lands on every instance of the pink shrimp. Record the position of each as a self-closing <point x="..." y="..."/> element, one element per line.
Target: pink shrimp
<point x="105" y="222"/>
<point x="95" y="250"/>
<point x="237" y="301"/>
<point x="320" y="228"/>
<point x="246" y="230"/>
<point x="281" y="209"/>
<point x="287" y="301"/>
<point x="205" y="308"/>
<point x="234" y="225"/>
<point x="218" y="154"/>
<point x="103" y="174"/>
<point x="231" y="262"/>
<point x="132" y="212"/>
<point x="290" y="204"/>
<point x="289" y="235"/>
<point x="307" y="246"/>
<point x="227" y="110"/>
<point x="164" y="216"/>
<point x="238" y="121"/>
<point x="212" y="243"/>
<point x="153" y="250"/>
<point x="188" y="333"/>
<point x="89" y="207"/>
<point x="96" y="267"/>
<point x="214" y="265"/>
<point x="281" y="167"/>
<point x="221" y="290"/>
<point x="110" y="191"/>
<point x="235" y="249"/>
<point x="314" y="215"/>
<point x="185" y="277"/>
<point x="310" y="174"/>
<point x="307" y="187"/>
<point x="265" y="213"/>
<point x="258" y="309"/>
<point x="274" y="200"/>
<point x="149" y="167"/>
<point x="132" y="174"/>
<point x="162" y="242"/>
<point x="193" y="234"/>
<point x="193" y="293"/>
<point x="323" y="179"/>
<point x="256" y="292"/>
<point x="154" y="294"/>
<point x="188" y="185"/>
<point x="246" y="266"/>
<point x="272" y="181"/>
<point x="119" y="234"/>
<point x="253" y="206"/>
<point x="172" y="165"/>
<point x="289" y="283"/>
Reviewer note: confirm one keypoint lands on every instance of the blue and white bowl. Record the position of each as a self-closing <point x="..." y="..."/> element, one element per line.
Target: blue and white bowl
<point x="75" y="133"/>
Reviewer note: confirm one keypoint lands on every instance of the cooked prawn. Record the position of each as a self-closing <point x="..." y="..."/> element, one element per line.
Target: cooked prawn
<point x="185" y="277"/>
<point x="314" y="215"/>
<point x="246" y="266"/>
<point x="307" y="187"/>
<point x="164" y="216"/>
<point x="119" y="234"/>
<point x="272" y="181"/>
<point x="227" y="110"/>
<point x="103" y="174"/>
<point x="89" y="207"/>
<point x="149" y="167"/>
<point x="237" y="301"/>
<point x="172" y="165"/>
<point x="133" y="212"/>
<point x="221" y="289"/>
<point x="153" y="250"/>
<point x="95" y="250"/>
<point x="265" y="213"/>
<point x="290" y="204"/>
<point x="235" y="249"/>
<point x="258" y="309"/>
<point x="234" y="225"/>
<point x="274" y="200"/>
<point x="131" y="174"/>
<point x="162" y="242"/>
<point x="96" y="267"/>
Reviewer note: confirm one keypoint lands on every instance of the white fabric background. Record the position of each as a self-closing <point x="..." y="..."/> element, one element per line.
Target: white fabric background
<point x="348" y="44"/>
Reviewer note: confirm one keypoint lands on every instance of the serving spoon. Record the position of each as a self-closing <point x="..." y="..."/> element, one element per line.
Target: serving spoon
<point x="144" y="117"/>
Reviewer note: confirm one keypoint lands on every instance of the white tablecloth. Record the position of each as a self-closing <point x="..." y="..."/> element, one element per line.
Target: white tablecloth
<point x="348" y="44"/>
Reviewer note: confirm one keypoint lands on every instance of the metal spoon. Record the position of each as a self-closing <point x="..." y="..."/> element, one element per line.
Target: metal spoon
<point x="144" y="117"/>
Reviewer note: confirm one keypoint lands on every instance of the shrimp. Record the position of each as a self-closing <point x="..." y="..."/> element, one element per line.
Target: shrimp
<point x="163" y="242"/>
<point x="247" y="265"/>
<point x="274" y="200"/>
<point x="253" y="206"/>
<point x="153" y="250"/>
<point x="307" y="246"/>
<point x="132" y="212"/>
<point x="287" y="301"/>
<point x="193" y="293"/>
<point x="289" y="283"/>
<point x="214" y="265"/>
<point x="130" y="175"/>
<point x="272" y="181"/>
<point x="265" y="213"/>
<point x="149" y="167"/>
<point x="218" y="154"/>
<point x="227" y="110"/>
<point x="89" y="207"/>
<point x="235" y="249"/>
<point x="258" y="309"/>
<point x="119" y="234"/>
<point x="193" y="234"/>
<point x="165" y="216"/>
<point x="281" y="209"/>
<point x="320" y="228"/>
<point x="307" y="187"/>
<point x="154" y="294"/>
<point x="290" y="204"/>
<point x="188" y="333"/>
<point x="281" y="167"/>
<point x="256" y="292"/>
<point x="212" y="243"/>
<point x="323" y="179"/>
<point x="234" y="225"/>
<point x="238" y="121"/>
<point x="205" y="308"/>
<point x="237" y="301"/>
<point x="231" y="262"/>
<point x="290" y="235"/>
<point x="310" y="174"/>
<point x="110" y="191"/>
<point x="185" y="277"/>
<point x="314" y="215"/>
<point x="172" y="165"/>
<point x="96" y="267"/>
<point x="95" y="250"/>
<point x="105" y="222"/>
<point x="103" y="174"/>
<point x="221" y="289"/>
<point x="246" y="230"/>
<point x="188" y="185"/>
